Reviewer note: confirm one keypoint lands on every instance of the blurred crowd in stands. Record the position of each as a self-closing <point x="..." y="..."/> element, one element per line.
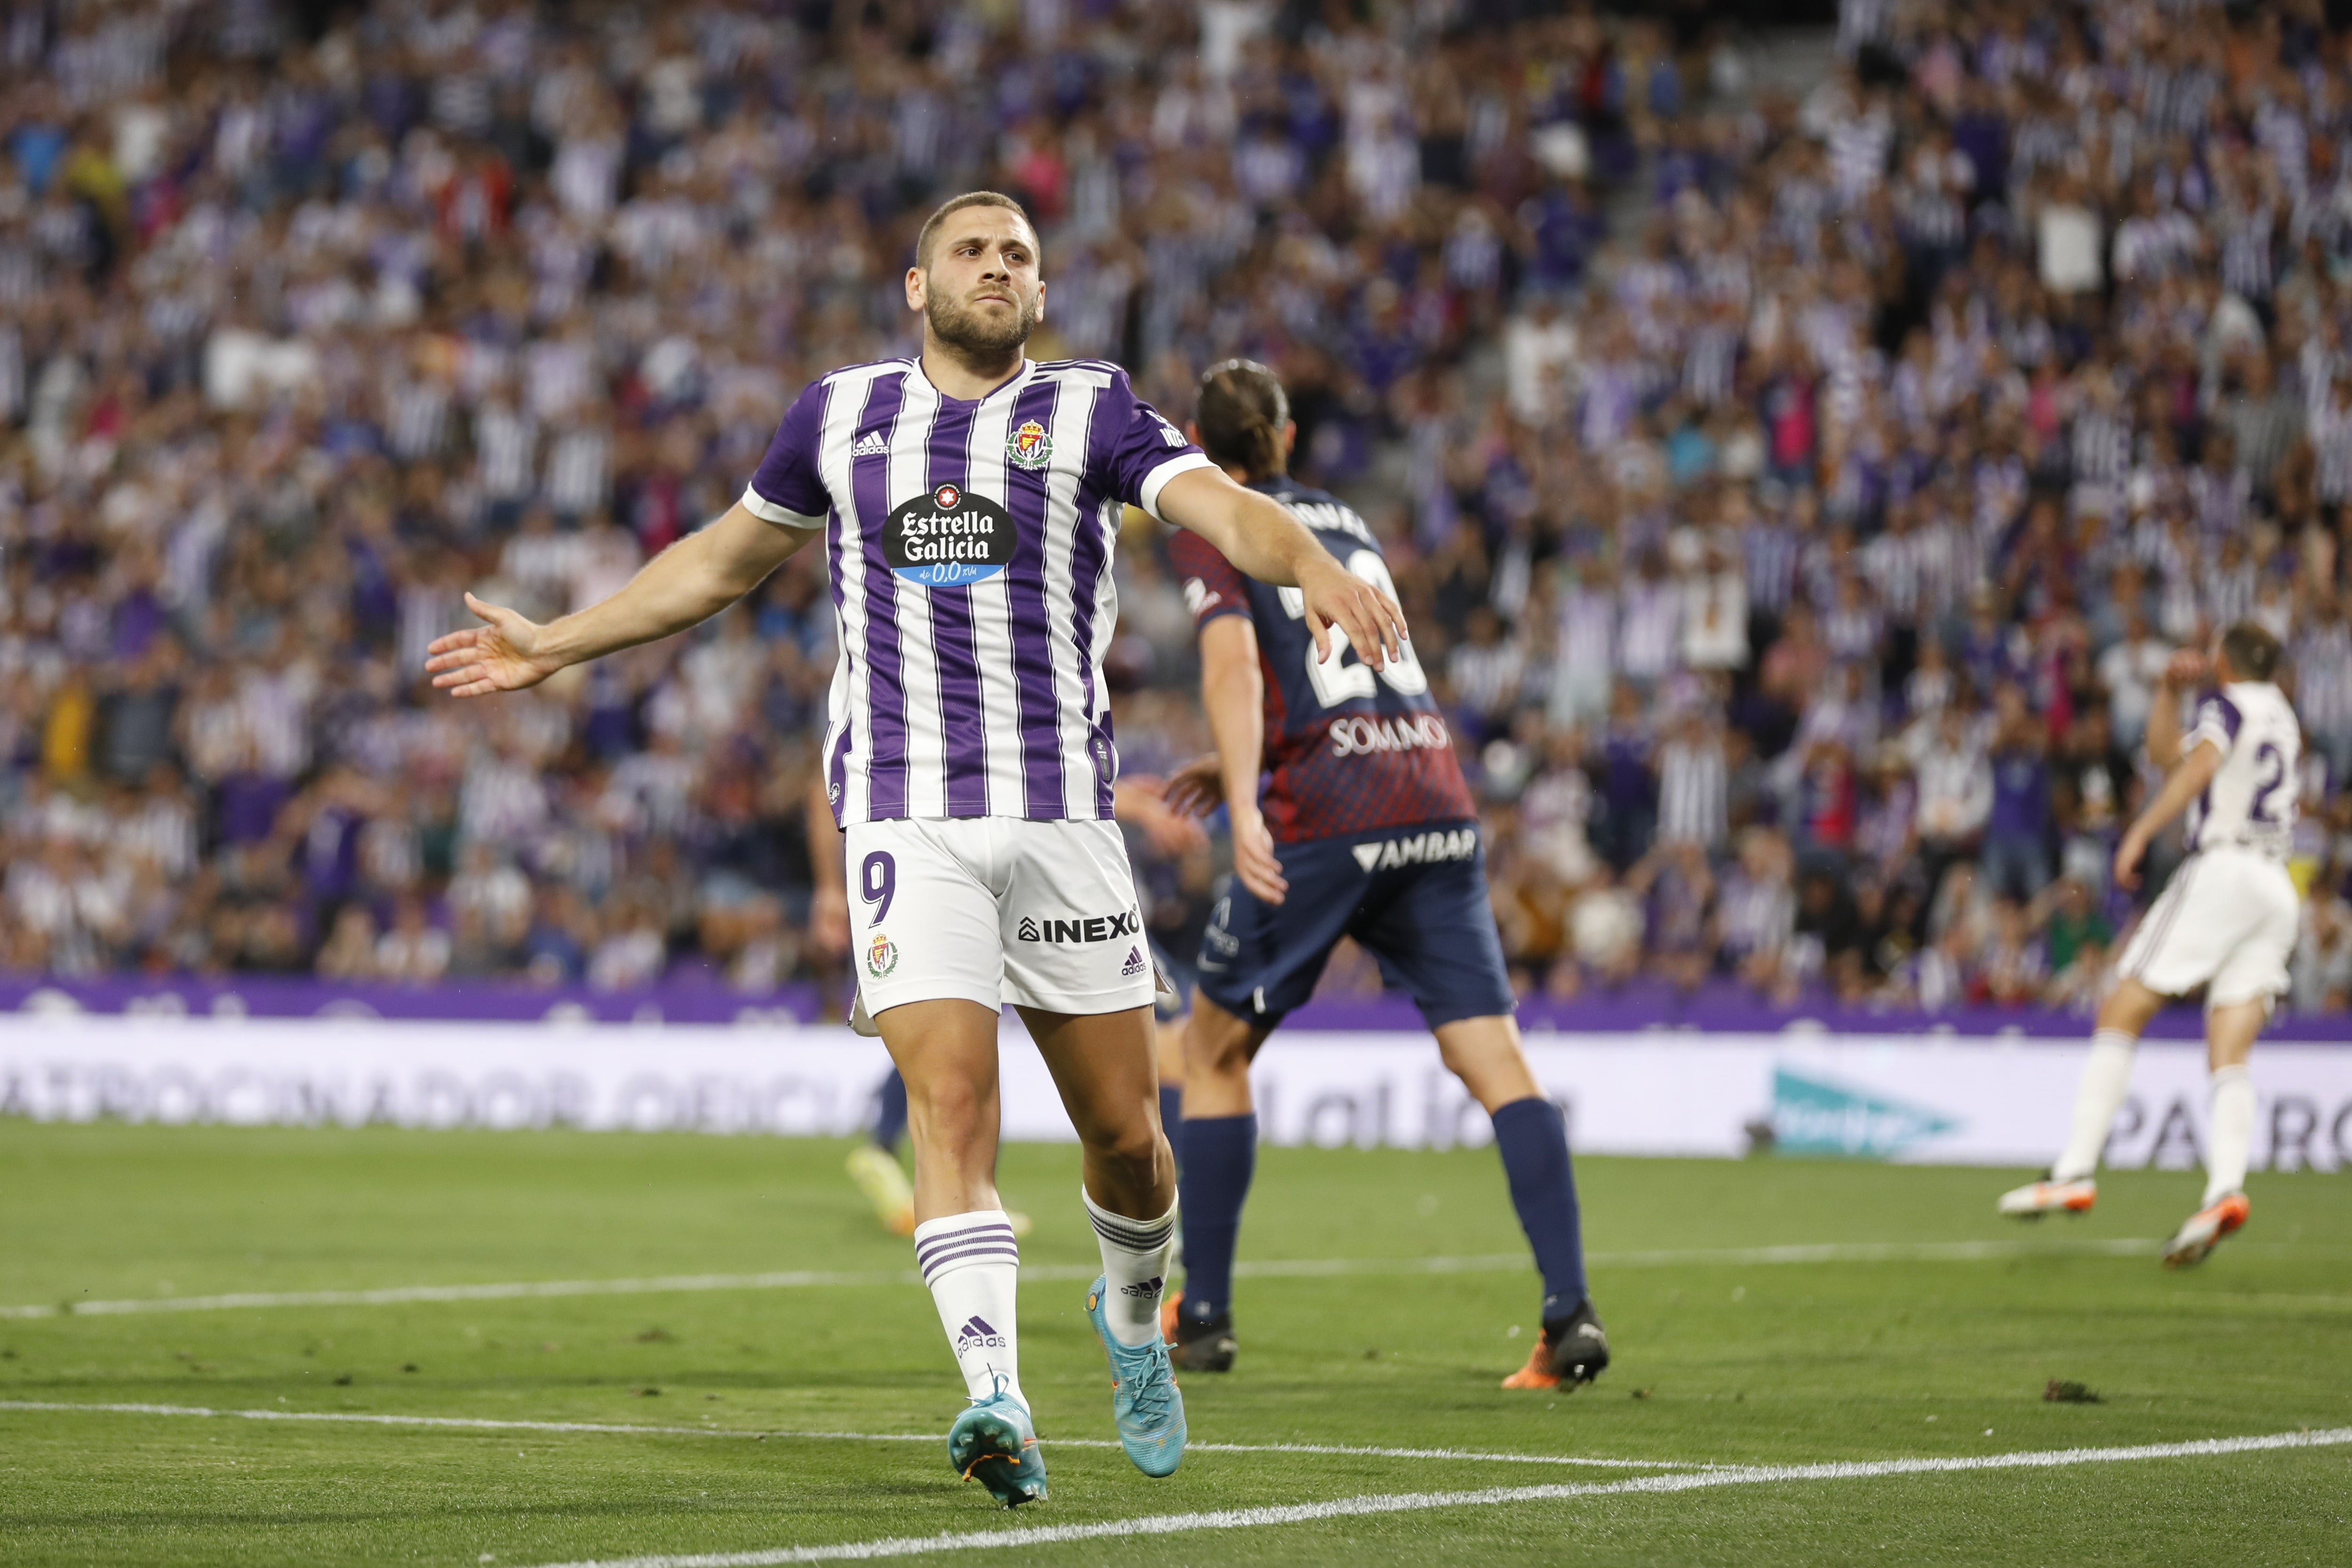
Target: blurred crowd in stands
<point x="1799" y="492"/>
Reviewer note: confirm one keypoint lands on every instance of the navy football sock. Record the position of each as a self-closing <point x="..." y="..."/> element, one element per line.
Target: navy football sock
<point x="1171" y="1121"/>
<point x="1219" y="1156"/>
<point x="1532" y="1136"/>
<point x="890" y="1114"/>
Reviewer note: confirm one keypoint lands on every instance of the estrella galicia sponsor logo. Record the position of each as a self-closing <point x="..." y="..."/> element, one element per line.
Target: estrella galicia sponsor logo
<point x="1417" y="732"/>
<point x="1429" y="849"/>
<point x="947" y="539"/>
<point x="1058" y="931"/>
<point x="978" y="1334"/>
<point x="1814" y="1116"/>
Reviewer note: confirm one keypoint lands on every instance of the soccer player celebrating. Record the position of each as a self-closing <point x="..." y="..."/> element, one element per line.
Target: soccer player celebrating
<point x="1379" y="840"/>
<point x="2226" y="921"/>
<point x="968" y="500"/>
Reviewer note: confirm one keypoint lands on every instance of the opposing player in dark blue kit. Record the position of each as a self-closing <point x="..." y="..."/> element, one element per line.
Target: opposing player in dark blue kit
<point x="1366" y="828"/>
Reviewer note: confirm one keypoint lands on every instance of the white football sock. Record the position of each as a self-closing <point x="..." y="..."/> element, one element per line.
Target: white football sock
<point x="2232" y="1136"/>
<point x="2105" y="1077"/>
<point x="1134" y="1270"/>
<point x="972" y="1266"/>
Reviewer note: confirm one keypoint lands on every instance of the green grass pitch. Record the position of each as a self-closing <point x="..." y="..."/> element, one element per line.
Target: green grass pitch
<point x="1726" y="1356"/>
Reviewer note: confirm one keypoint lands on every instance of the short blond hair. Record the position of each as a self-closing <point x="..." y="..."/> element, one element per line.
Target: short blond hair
<point x="930" y="236"/>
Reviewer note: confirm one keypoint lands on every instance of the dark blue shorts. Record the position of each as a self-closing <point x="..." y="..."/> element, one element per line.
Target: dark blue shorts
<point x="1414" y="897"/>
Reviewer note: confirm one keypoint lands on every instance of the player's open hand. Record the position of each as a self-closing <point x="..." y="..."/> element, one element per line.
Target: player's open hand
<point x="828" y="926"/>
<point x="1142" y="799"/>
<point x="1253" y="861"/>
<point x="1371" y="620"/>
<point x="2185" y="670"/>
<point x="1197" y="788"/>
<point x="504" y="656"/>
<point x="2127" y="859"/>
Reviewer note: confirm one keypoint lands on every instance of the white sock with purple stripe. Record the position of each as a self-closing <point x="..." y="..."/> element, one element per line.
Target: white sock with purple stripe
<point x="972" y="1266"/>
<point x="2107" y="1076"/>
<point x="1135" y="1254"/>
<point x="2232" y="1132"/>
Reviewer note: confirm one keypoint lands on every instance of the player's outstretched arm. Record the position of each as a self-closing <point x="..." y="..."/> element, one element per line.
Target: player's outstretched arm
<point x="1261" y="537"/>
<point x="2183" y="784"/>
<point x="691" y="581"/>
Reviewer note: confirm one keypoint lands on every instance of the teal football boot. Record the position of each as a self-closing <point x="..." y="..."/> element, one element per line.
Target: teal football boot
<point x="993" y="1442"/>
<point x="1144" y="1400"/>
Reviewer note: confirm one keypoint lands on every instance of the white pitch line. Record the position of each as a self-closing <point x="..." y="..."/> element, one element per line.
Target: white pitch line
<point x="1297" y="1268"/>
<point x="632" y="1429"/>
<point x="1415" y="1503"/>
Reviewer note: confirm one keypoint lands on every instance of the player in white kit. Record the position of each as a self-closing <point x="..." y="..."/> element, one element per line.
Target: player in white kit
<point x="2226" y="922"/>
<point x="968" y="500"/>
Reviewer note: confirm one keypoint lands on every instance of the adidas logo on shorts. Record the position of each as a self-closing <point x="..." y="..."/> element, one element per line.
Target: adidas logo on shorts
<point x="873" y="443"/>
<point x="1134" y="965"/>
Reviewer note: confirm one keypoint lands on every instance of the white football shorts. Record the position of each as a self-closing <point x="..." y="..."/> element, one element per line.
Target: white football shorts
<point x="996" y="909"/>
<point x="2226" y="921"/>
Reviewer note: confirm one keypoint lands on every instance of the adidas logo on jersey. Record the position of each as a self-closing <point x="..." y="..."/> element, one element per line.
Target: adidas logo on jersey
<point x="873" y="443"/>
<point x="1097" y="928"/>
<point x="978" y="1333"/>
<point x="1134" y="965"/>
<point x="1149" y="1288"/>
<point x="1420" y="849"/>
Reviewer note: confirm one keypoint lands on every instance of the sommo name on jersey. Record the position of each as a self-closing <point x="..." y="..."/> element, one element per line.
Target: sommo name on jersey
<point x="1349" y="749"/>
<point x="1349" y="736"/>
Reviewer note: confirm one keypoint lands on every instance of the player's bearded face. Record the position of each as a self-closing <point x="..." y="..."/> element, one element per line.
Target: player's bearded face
<point x="975" y="319"/>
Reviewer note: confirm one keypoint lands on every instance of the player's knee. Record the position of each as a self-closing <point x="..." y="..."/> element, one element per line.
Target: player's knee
<point x="952" y="1109"/>
<point x="1133" y="1142"/>
<point x="1218" y="1048"/>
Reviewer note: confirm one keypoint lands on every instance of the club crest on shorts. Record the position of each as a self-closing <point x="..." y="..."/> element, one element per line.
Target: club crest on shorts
<point x="1030" y="447"/>
<point x="881" y="955"/>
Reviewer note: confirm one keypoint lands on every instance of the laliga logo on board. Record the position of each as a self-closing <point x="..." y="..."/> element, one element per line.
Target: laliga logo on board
<point x="1030" y="447"/>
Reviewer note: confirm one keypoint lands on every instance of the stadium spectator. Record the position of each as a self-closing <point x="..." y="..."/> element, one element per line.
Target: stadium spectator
<point x="1733" y="455"/>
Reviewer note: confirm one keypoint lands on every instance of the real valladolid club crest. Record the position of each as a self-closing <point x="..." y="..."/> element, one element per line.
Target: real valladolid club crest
<point x="1030" y="447"/>
<point x="881" y="955"/>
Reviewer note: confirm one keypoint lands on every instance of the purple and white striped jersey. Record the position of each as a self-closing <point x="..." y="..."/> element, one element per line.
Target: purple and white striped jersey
<point x="970" y="549"/>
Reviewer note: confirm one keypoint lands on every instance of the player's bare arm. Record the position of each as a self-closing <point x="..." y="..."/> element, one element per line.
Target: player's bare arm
<point x="828" y="926"/>
<point x="2188" y="776"/>
<point x="1233" y="694"/>
<point x="2183" y="784"/>
<point x="1260" y="536"/>
<point x="2183" y="674"/>
<point x="691" y="581"/>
